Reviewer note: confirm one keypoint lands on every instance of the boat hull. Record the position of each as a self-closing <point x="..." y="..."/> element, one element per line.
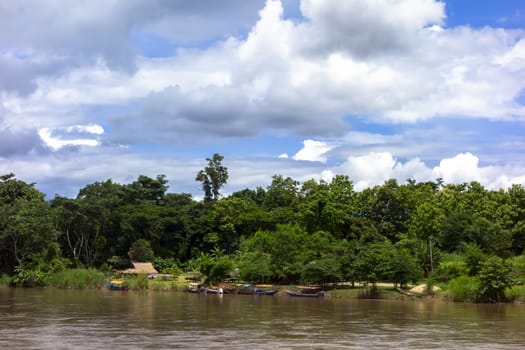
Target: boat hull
<point x="305" y="295"/>
<point x="111" y="286"/>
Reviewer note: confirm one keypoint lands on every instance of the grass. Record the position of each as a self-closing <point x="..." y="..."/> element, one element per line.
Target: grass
<point x="515" y="293"/>
<point x="77" y="279"/>
<point x="463" y="288"/>
<point x="5" y="280"/>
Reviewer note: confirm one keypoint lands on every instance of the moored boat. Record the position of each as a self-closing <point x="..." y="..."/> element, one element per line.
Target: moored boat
<point x="305" y="295"/>
<point x="195" y="288"/>
<point x="116" y="284"/>
<point x="268" y="292"/>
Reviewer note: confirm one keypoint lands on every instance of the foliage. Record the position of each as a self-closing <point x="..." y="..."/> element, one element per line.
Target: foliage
<point x="220" y="270"/>
<point x="404" y="268"/>
<point x="515" y="293"/>
<point x="452" y="266"/>
<point x="167" y="265"/>
<point x="255" y="266"/>
<point x="77" y="279"/>
<point x="26" y="277"/>
<point x="322" y="271"/>
<point x="213" y="177"/>
<point x="517" y="268"/>
<point x="5" y="279"/>
<point x="463" y="288"/>
<point x="493" y="278"/>
<point x="119" y="263"/>
<point x="474" y="257"/>
<point x="373" y="263"/>
<point x="138" y="282"/>
<point x="289" y="232"/>
<point x="141" y="251"/>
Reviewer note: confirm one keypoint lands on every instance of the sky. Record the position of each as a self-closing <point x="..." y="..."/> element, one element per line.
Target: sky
<point x="372" y="89"/>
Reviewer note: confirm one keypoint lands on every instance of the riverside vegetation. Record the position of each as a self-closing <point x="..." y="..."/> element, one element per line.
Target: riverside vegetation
<point x="468" y="240"/>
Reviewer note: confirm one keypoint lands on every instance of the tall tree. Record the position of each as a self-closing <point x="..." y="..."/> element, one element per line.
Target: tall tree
<point x="213" y="177"/>
<point x="25" y="222"/>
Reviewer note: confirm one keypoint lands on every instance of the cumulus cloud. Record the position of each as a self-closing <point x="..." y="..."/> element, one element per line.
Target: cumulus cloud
<point x="375" y="168"/>
<point x="384" y="62"/>
<point x="313" y="151"/>
<point x="364" y="28"/>
<point x="371" y="66"/>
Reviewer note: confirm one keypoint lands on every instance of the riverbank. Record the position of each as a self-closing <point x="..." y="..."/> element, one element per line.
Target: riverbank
<point x="94" y="279"/>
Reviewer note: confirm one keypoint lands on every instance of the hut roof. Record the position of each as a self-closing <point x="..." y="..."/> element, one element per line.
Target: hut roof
<point x="141" y="268"/>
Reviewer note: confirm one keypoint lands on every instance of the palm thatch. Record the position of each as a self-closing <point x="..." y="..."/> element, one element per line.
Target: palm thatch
<point x="139" y="268"/>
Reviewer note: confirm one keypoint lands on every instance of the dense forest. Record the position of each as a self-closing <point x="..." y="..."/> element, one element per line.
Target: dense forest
<point x="288" y="232"/>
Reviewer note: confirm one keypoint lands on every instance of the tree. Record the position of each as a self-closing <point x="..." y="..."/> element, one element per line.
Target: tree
<point x="213" y="177"/>
<point x="25" y="222"/>
<point x="493" y="279"/>
<point x="141" y="251"/>
<point x="146" y="189"/>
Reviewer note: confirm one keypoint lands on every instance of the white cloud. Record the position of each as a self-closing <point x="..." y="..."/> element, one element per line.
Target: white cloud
<point x="464" y="167"/>
<point x="385" y="61"/>
<point x="70" y="136"/>
<point x="313" y="151"/>
<point x="367" y="65"/>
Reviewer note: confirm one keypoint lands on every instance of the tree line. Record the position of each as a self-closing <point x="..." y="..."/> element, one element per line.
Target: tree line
<point x="289" y="232"/>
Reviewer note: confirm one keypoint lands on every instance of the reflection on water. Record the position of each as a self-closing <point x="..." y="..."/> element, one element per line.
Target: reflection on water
<point x="102" y="319"/>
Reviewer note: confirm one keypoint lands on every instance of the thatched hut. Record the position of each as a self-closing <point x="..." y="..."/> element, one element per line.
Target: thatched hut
<point x="143" y="267"/>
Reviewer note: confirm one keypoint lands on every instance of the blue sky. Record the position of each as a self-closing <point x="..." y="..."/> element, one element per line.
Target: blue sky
<point x="420" y="89"/>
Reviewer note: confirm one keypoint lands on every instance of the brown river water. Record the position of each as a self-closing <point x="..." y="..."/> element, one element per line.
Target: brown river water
<point x="103" y="319"/>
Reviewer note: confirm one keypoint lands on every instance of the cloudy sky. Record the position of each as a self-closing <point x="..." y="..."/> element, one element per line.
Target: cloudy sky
<point x="375" y="89"/>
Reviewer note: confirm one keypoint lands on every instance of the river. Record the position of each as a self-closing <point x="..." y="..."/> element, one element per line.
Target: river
<point x="103" y="319"/>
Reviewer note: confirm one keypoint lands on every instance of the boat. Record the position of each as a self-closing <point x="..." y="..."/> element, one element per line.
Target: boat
<point x="194" y="288"/>
<point x="251" y="289"/>
<point x="267" y="292"/>
<point x="116" y="285"/>
<point x="213" y="291"/>
<point x="305" y="295"/>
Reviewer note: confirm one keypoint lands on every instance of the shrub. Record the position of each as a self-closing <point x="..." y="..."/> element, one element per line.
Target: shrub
<point x="168" y="265"/>
<point x="28" y="277"/>
<point x="463" y="288"/>
<point x="452" y="266"/>
<point x="517" y="268"/>
<point x="493" y="279"/>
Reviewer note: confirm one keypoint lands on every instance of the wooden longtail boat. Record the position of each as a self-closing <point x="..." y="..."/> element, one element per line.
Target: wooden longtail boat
<point x="305" y="295"/>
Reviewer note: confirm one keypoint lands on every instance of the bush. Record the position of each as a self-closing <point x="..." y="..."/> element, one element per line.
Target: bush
<point x="515" y="293"/>
<point x="493" y="278"/>
<point x="168" y="266"/>
<point x="28" y="277"/>
<point x="77" y="279"/>
<point x="517" y="268"/>
<point x="463" y="288"/>
<point x="452" y="266"/>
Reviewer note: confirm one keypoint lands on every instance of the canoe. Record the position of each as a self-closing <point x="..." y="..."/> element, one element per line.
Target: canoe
<point x="267" y="292"/>
<point x="116" y="285"/>
<point x="213" y="291"/>
<point x="305" y="295"/>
